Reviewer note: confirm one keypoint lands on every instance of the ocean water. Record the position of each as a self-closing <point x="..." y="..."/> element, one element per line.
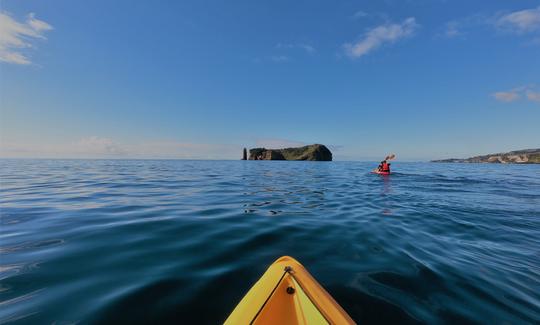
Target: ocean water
<point x="165" y="241"/>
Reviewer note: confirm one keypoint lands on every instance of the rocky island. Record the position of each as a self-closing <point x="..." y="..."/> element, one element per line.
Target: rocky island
<point x="314" y="152"/>
<point x="527" y="156"/>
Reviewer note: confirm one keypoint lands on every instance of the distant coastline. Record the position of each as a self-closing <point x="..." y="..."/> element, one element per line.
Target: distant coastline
<point x="526" y="156"/>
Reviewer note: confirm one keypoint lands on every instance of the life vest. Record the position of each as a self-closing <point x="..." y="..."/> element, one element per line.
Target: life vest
<point x="385" y="167"/>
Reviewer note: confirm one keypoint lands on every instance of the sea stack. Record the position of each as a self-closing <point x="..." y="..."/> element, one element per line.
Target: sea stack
<point x="244" y="156"/>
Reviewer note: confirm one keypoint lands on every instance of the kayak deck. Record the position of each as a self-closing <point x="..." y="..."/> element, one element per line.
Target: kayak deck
<point x="288" y="294"/>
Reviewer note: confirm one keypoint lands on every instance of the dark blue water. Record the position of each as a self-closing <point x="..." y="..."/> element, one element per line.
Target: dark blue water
<point x="116" y="241"/>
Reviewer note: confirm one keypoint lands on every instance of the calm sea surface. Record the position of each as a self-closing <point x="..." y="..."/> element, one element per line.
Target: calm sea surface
<point x="117" y="241"/>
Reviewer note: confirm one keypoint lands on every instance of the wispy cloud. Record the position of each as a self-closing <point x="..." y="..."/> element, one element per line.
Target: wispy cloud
<point x="99" y="146"/>
<point x="529" y="92"/>
<point x="462" y="26"/>
<point x="272" y="58"/>
<point x="280" y="58"/>
<point x="506" y="96"/>
<point x="302" y="46"/>
<point x="16" y="36"/>
<point x="336" y="147"/>
<point x="519" y="22"/>
<point x="533" y="96"/>
<point x="359" y="14"/>
<point x="184" y="150"/>
<point x="380" y="35"/>
<point x="523" y="21"/>
<point x="103" y="147"/>
<point x="88" y="147"/>
<point x="284" y="52"/>
<point x="452" y="29"/>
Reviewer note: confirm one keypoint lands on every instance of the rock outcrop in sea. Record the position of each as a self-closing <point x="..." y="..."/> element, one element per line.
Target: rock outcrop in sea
<point x="314" y="152"/>
<point x="527" y="156"/>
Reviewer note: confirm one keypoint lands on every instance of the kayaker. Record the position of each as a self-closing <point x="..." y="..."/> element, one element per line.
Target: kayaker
<point x="384" y="167"/>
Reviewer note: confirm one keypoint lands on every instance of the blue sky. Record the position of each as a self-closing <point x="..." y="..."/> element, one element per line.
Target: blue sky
<point x="202" y="79"/>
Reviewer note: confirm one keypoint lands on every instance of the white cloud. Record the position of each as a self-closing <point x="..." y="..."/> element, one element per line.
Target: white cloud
<point x="529" y="92"/>
<point x="36" y="24"/>
<point x="506" y="96"/>
<point x="16" y="36"/>
<point x="522" y="21"/>
<point x="378" y="36"/>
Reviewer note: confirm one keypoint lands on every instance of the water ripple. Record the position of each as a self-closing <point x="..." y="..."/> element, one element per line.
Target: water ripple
<point x="117" y="241"/>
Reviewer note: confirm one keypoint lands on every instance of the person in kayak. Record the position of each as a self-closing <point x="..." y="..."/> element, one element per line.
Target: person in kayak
<point x="384" y="167"/>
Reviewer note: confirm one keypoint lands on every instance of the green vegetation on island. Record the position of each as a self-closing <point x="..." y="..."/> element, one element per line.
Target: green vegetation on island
<point x="527" y="156"/>
<point x="314" y="152"/>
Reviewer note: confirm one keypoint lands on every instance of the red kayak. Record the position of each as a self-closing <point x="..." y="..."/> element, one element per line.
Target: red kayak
<point x="380" y="173"/>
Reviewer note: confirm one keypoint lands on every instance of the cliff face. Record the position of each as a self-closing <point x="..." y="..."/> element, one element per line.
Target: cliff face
<point x="315" y="152"/>
<point x="528" y="156"/>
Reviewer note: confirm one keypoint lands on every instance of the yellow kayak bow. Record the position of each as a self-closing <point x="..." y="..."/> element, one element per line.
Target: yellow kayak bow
<point x="288" y="294"/>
